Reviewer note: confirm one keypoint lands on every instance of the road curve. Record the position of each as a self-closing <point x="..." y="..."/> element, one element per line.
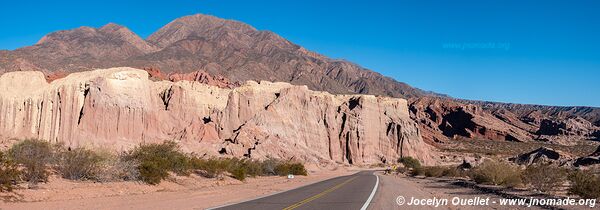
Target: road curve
<point x="345" y="192"/>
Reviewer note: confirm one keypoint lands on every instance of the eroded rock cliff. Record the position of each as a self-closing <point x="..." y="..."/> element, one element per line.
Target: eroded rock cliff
<point x="119" y="108"/>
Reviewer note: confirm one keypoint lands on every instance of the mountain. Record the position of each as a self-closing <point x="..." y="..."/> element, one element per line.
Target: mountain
<point x="200" y="42"/>
<point x="197" y="46"/>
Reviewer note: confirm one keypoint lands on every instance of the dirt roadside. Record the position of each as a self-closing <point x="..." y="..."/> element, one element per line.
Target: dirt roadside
<point x="392" y="186"/>
<point x="181" y="193"/>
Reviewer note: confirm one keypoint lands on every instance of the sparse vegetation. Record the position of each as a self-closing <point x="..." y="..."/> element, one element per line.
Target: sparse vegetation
<point x="9" y="173"/>
<point x="437" y="171"/>
<point x="150" y="163"/>
<point x="453" y="171"/>
<point x="34" y="156"/>
<point x="409" y="162"/>
<point x="497" y="173"/>
<point x="157" y="160"/>
<point x="433" y="171"/>
<point x="286" y="168"/>
<point x="78" y="164"/>
<point x="545" y="178"/>
<point x="117" y="168"/>
<point x="511" y="148"/>
<point x="210" y="168"/>
<point x="584" y="184"/>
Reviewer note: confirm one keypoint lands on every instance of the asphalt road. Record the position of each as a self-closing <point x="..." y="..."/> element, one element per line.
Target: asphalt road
<point x="346" y="192"/>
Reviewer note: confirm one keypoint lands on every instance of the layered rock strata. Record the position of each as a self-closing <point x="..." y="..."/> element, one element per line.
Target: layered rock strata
<point x="119" y="108"/>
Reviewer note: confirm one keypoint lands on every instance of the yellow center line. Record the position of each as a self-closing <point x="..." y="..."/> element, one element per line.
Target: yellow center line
<point x="305" y="201"/>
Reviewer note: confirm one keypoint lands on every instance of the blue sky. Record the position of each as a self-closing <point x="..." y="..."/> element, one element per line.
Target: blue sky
<point x="537" y="52"/>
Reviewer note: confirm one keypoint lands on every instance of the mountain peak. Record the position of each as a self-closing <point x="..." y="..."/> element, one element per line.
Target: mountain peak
<point x="198" y="25"/>
<point x="112" y="27"/>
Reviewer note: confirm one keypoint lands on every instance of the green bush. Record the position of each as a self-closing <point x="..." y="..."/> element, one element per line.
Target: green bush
<point x="157" y="160"/>
<point x="239" y="173"/>
<point x="9" y="173"/>
<point x="153" y="172"/>
<point x="497" y="173"/>
<point x="210" y="168"/>
<point x="545" y="178"/>
<point x="253" y="168"/>
<point x="410" y="162"/>
<point x="584" y="184"/>
<point x="34" y="156"/>
<point x="286" y="168"/>
<point x="78" y="164"/>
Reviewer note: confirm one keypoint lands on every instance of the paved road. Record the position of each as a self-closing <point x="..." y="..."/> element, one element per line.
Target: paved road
<point x="346" y="192"/>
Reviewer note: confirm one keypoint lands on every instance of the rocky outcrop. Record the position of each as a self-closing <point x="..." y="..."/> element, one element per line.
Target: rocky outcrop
<point x="542" y="155"/>
<point x="592" y="159"/>
<point x="442" y="119"/>
<point x="196" y="76"/>
<point x="120" y="107"/>
<point x="565" y="128"/>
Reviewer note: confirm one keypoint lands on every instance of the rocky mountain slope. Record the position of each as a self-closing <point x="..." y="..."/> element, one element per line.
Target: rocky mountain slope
<point x="233" y="52"/>
<point x="121" y="107"/>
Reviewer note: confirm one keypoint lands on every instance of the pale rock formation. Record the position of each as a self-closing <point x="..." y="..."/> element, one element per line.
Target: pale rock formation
<point x="119" y="108"/>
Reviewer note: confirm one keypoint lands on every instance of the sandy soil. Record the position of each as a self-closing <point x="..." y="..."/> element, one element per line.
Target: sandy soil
<point x="179" y="193"/>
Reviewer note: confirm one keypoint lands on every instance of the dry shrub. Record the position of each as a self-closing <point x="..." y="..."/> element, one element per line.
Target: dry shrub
<point x="286" y="168"/>
<point x="497" y="173"/>
<point x="34" y="155"/>
<point x="210" y="168"/>
<point x="585" y="184"/>
<point x="78" y="164"/>
<point x="433" y="171"/>
<point x="453" y="172"/>
<point x="117" y="168"/>
<point x="157" y="160"/>
<point x="9" y="173"/>
<point x="409" y="162"/>
<point x="545" y="178"/>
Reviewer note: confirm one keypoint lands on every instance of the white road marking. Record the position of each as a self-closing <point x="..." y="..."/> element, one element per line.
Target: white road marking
<point x="366" y="205"/>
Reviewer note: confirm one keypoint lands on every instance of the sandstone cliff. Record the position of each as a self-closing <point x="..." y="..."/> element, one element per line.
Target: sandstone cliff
<point x="119" y="108"/>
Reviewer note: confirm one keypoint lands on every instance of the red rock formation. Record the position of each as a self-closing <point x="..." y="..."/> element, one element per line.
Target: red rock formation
<point x="204" y="78"/>
<point x="196" y="76"/>
<point x="441" y="119"/>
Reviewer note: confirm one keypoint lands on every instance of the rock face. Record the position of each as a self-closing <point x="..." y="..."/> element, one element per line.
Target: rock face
<point x="120" y="107"/>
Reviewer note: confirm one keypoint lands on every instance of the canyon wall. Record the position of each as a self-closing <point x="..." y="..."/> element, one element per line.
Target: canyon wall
<point x="120" y="108"/>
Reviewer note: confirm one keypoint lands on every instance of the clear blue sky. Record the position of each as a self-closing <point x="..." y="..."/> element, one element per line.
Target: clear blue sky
<point x="540" y="52"/>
